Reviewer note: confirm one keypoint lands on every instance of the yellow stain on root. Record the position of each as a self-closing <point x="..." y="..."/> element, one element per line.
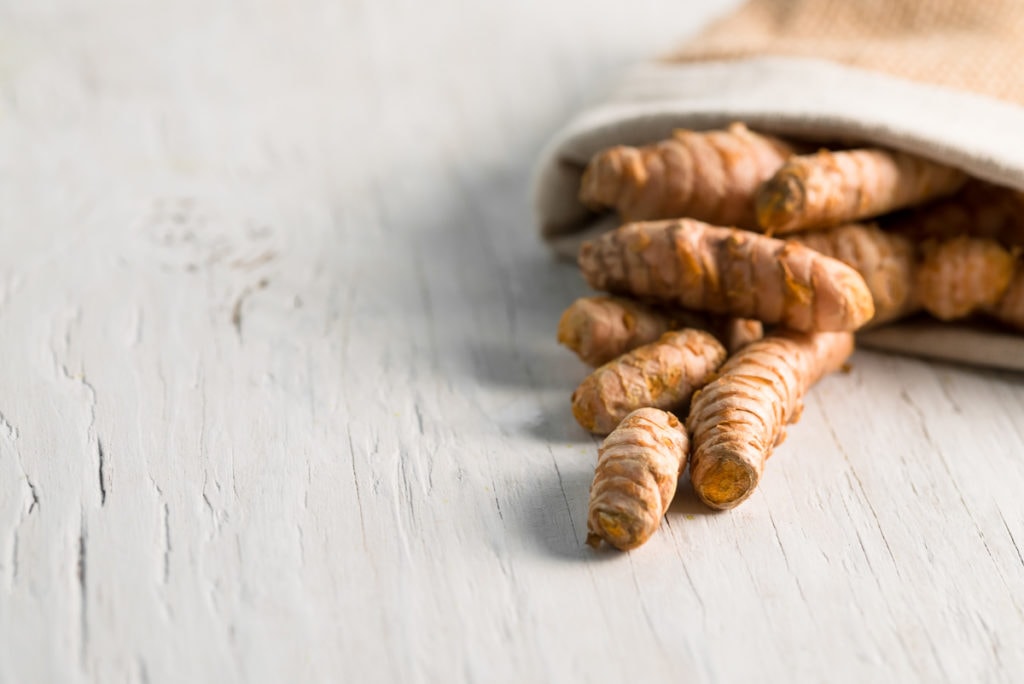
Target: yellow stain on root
<point x="612" y="525"/>
<point x="616" y="530"/>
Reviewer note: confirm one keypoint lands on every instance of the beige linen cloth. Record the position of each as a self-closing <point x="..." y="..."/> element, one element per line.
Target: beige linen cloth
<point x="940" y="78"/>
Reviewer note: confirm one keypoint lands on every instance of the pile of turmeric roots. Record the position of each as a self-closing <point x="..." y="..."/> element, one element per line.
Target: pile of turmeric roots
<point x="728" y="327"/>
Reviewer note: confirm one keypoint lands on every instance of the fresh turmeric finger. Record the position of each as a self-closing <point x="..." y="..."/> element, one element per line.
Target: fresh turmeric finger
<point x="737" y="333"/>
<point x="696" y="266"/>
<point x="663" y="374"/>
<point x="961" y="276"/>
<point x="710" y="175"/>
<point x="738" y="419"/>
<point x="831" y="188"/>
<point x="887" y="262"/>
<point x="980" y="210"/>
<point x="599" y="329"/>
<point x="638" y="469"/>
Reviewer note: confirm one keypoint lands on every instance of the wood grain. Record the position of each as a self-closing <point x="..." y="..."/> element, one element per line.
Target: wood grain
<point x="280" y="398"/>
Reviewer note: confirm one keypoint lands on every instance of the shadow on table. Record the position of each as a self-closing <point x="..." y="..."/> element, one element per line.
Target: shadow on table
<point x="557" y="517"/>
<point x="556" y="424"/>
<point x="686" y="504"/>
<point x="558" y="509"/>
<point x="539" y="365"/>
<point x="495" y="295"/>
<point x="498" y="290"/>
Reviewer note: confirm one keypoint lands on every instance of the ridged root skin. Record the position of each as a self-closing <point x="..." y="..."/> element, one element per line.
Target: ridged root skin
<point x="696" y="266"/>
<point x="638" y="468"/>
<point x="738" y="419"/>
<point x="980" y="210"/>
<point x="599" y="329"/>
<point x="737" y="333"/>
<point x="663" y="374"/>
<point x="962" y="276"/>
<point x="887" y="262"/>
<point x="831" y="188"/>
<point x="710" y="175"/>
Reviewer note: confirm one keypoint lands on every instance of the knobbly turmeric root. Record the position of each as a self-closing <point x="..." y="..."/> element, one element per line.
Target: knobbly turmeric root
<point x="831" y="188"/>
<point x="739" y="418"/>
<point x="961" y="276"/>
<point x="638" y="468"/>
<point x="886" y="261"/>
<point x="663" y="374"/>
<point x="1010" y="307"/>
<point x="599" y="329"/>
<point x="710" y="176"/>
<point x="695" y="266"/>
<point x="979" y="210"/>
<point x="737" y="333"/>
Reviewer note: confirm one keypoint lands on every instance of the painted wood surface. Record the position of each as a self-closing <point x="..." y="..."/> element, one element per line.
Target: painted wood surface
<point x="280" y="398"/>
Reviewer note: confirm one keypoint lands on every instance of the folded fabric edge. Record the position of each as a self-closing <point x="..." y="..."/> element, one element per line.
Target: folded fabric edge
<point x="948" y="342"/>
<point x="806" y="98"/>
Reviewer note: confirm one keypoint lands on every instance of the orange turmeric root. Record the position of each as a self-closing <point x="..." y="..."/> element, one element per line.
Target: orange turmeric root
<point x="638" y="468"/>
<point x="737" y="333"/>
<point x="710" y="176"/>
<point x="1010" y="307"/>
<point x="979" y="210"/>
<point x="830" y="188"/>
<point x="961" y="276"/>
<point x="663" y="374"/>
<point x="693" y="265"/>
<point x="599" y="329"/>
<point x="886" y="261"/>
<point x="739" y="418"/>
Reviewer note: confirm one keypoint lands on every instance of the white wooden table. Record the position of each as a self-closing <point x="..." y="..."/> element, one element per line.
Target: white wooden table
<point x="280" y="398"/>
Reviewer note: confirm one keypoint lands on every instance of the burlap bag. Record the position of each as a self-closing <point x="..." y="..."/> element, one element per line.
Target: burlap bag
<point x="939" y="78"/>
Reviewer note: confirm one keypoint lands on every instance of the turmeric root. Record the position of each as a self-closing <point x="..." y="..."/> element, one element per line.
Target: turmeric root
<point x="638" y="468"/>
<point x="737" y="333"/>
<point x="963" y="275"/>
<point x="830" y="188"/>
<point x="1010" y="307"/>
<point x="693" y="265"/>
<point x="979" y="210"/>
<point x="598" y="329"/>
<point x="710" y="176"/>
<point x="663" y="374"/>
<point x="737" y="419"/>
<point x="886" y="261"/>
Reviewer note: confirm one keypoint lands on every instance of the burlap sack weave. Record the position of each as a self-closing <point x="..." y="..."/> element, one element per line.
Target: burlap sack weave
<point x="939" y="78"/>
<point x="976" y="46"/>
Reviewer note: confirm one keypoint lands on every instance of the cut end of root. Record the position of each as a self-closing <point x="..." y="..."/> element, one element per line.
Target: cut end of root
<point x="779" y="202"/>
<point x="726" y="484"/>
<point x="584" y="412"/>
<point x="619" y="529"/>
<point x="568" y="330"/>
<point x="603" y="177"/>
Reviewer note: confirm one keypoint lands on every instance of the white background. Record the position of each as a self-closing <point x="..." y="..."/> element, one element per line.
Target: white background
<point x="280" y="398"/>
